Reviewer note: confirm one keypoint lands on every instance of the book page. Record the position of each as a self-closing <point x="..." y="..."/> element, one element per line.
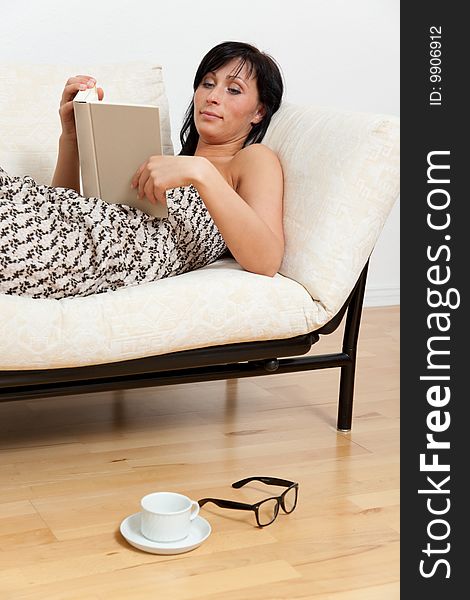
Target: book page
<point x="86" y="149"/>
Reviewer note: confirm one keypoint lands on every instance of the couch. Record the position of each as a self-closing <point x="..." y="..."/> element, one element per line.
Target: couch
<point x="341" y="171"/>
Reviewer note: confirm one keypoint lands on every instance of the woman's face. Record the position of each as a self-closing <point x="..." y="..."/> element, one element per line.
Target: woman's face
<point x="226" y="105"/>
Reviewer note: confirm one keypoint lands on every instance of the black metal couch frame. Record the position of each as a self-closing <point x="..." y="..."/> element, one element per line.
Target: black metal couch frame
<point x="251" y="359"/>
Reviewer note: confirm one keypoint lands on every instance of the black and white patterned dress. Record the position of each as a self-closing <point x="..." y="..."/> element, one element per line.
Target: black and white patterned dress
<point x="55" y="243"/>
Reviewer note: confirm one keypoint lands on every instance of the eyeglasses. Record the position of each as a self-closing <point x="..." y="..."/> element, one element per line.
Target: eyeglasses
<point x="267" y="510"/>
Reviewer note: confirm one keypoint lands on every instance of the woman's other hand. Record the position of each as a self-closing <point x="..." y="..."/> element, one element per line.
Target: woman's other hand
<point x="161" y="173"/>
<point x="72" y="87"/>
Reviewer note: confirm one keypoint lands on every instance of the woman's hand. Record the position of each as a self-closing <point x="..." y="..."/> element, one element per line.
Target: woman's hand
<point x="161" y="173"/>
<point x="67" y="117"/>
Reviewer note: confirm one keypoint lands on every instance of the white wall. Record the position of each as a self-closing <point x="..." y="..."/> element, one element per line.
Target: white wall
<point x="337" y="53"/>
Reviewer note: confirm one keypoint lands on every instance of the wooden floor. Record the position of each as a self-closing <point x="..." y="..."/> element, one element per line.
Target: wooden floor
<point x="72" y="468"/>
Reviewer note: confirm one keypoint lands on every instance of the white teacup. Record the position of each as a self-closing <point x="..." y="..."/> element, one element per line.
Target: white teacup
<point x="167" y="516"/>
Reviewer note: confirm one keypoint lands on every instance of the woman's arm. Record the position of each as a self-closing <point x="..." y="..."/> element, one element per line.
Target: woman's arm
<point x="249" y="219"/>
<point x="67" y="172"/>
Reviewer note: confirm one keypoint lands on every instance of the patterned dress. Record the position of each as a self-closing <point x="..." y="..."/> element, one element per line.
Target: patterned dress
<point x="55" y="243"/>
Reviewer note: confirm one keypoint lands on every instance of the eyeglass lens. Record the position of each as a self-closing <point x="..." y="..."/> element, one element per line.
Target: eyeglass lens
<point x="267" y="511"/>
<point x="290" y="499"/>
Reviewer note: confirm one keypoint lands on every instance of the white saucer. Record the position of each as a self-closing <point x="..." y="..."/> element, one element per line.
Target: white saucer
<point x="130" y="529"/>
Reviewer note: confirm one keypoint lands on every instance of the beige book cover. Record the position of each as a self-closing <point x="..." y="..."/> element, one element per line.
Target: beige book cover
<point x="113" y="141"/>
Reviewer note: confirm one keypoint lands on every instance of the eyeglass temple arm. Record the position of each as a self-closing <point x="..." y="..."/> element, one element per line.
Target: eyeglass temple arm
<point x="267" y="480"/>
<point x="226" y="503"/>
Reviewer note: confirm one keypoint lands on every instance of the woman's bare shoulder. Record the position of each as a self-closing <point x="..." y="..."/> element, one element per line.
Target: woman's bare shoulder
<point x="256" y="160"/>
<point x="256" y="152"/>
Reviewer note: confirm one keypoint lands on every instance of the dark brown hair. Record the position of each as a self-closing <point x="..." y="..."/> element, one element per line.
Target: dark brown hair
<point x="268" y="81"/>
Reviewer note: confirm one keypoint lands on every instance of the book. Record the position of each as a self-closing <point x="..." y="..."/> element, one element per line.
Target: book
<point x="113" y="141"/>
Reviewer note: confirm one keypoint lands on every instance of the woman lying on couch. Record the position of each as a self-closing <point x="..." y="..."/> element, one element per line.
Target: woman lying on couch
<point x="224" y="191"/>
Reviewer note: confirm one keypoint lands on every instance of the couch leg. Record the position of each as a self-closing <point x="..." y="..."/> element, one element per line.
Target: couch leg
<point x="346" y="395"/>
<point x="350" y="338"/>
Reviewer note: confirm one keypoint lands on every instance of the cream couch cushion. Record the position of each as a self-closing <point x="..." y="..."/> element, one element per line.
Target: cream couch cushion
<point x="341" y="179"/>
<point x="218" y="304"/>
<point x="341" y="176"/>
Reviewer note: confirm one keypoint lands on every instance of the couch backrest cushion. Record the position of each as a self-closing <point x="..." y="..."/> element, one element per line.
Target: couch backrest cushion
<point x="341" y="173"/>
<point x="29" y="103"/>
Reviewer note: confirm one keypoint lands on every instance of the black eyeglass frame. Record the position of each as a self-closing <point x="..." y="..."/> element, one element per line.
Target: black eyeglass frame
<point x="255" y="507"/>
